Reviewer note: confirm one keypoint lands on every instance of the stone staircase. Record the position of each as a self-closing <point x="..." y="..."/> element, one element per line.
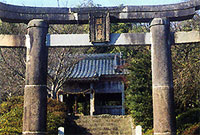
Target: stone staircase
<point x="99" y="125"/>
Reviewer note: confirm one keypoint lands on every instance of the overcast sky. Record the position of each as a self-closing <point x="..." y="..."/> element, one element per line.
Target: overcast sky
<point x="75" y="3"/>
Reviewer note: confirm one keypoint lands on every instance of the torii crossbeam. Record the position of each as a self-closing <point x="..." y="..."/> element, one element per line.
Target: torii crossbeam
<point x="23" y="14"/>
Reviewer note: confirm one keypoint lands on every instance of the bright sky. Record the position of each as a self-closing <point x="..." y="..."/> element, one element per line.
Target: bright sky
<point x="75" y="3"/>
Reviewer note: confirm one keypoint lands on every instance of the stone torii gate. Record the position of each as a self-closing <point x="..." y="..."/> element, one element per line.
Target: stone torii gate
<point x="160" y="39"/>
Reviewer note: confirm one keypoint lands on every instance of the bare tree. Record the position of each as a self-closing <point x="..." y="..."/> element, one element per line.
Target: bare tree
<point x="12" y="73"/>
<point x="60" y="60"/>
<point x="60" y="63"/>
<point x="12" y="63"/>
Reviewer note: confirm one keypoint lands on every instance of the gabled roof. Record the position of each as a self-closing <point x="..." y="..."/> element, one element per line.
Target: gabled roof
<point x="94" y="66"/>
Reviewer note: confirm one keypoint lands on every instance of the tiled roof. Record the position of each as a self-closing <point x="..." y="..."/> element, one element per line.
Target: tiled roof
<point x="94" y="66"/>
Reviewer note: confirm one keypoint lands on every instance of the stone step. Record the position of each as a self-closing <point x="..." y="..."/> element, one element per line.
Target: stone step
<point x="99" y="125"/>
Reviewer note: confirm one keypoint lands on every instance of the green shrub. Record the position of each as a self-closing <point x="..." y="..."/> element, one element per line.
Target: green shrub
<point x="139" y="91"/>
<point x="149" y="132"/>
<point x="192" y="130"/>
<point x="190" y="117"/>
<point x="12" y="112"/>
<point x="5" y="107"/>
<point x="11" y="116"/>
<point x="187" y="119"/>
<point x="55" y="115"/>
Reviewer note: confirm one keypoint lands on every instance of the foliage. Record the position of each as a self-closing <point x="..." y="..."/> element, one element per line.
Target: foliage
<point x="187" y="123"/>
<point x="187" y="119"/>
<point x="12" y="111"/>
<point x="11" y="116"/>
<point x="188" y="25"/>
<point x="83" y="108"/>
<point x="12" y="28"/>
<point x="192" y="130"/>
<point x="149" y="132"/>
<point x="56" y="112"/>
<point x="186" y="68"/>
<point x="121" y="27"/>
<point x="139" y="91"/>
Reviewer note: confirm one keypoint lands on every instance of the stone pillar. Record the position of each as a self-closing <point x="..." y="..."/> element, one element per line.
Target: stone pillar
<point x="35" y="93"/>
<point x="162" y="80"/>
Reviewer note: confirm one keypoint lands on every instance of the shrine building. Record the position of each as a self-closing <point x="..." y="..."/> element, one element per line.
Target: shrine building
<point x="96" y="79"/>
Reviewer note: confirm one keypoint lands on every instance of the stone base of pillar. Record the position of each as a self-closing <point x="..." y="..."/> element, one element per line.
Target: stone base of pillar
<point x="35" y="109"/>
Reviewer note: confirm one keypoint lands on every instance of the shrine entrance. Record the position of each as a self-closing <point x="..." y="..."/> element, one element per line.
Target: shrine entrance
<point x="99" y="18"/>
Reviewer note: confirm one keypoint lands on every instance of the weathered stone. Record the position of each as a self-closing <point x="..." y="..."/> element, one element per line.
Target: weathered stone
<point x="174" y="12"/>
<point x="34" y="108"/>
<point x="36" y="69"/>
<point x="162" y="80"/>
<point x="76" y="40"/>
<point x="82" y="40"/>
<point x="100" y="125"/>
<point x="12" y="41"/>
<point x="186" y="37"/>
<point x="35" y="93"/>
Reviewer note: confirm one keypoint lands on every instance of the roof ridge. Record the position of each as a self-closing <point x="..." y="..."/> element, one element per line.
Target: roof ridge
<point x="97" y="55"/>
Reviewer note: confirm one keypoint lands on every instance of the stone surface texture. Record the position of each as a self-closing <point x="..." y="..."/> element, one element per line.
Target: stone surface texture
<point x="100" y="125"/>
<point x="35" y="93"/>
<point x="162" y="80"/>
<point x="82" y="40"/>
<point x="175" y="12"/>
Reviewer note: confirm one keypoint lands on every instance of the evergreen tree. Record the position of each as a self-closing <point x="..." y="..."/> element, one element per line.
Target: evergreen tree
<point x="139" y="90"/>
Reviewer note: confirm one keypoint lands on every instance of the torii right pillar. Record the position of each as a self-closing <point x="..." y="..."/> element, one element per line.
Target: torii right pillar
<point x="162" y="78"/>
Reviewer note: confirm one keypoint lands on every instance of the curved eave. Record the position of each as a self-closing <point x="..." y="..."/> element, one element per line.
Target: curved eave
<point x="88" y="79"/>
<point x="23" y="14"/>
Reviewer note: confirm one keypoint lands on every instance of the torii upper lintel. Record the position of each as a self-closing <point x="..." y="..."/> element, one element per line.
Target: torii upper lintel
<point x="23" y="14"/>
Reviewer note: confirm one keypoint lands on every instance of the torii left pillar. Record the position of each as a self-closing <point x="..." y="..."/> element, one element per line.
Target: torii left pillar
<point x="35" y="93"/>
